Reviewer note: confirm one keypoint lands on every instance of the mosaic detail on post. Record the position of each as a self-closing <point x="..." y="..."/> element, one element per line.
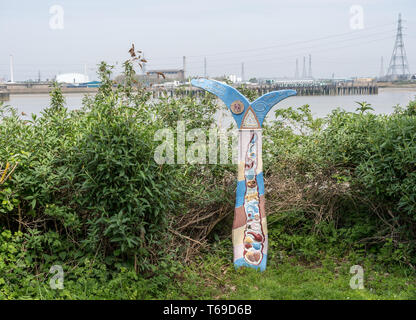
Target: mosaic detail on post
<point x="237" y="107"/>
<point x="250" y="120"/>
<point x="253" y="234"/>
<point x="250" y="225"/>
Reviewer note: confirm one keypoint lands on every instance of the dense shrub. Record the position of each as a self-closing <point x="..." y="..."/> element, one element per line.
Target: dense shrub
<point x="89" y="176"/>
<point x="389" y="172"/>
<point x="354" y="171"/>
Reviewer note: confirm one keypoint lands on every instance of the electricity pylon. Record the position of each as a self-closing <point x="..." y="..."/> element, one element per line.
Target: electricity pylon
<point x="399" y="67"/>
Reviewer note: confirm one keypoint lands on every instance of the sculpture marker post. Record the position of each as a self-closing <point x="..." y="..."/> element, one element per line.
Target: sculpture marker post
<point x="250" y="227"/>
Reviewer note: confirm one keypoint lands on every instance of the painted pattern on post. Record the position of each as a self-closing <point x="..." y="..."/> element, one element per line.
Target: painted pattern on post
<point x="254" y="236"/>
<point x="250" y="239"/>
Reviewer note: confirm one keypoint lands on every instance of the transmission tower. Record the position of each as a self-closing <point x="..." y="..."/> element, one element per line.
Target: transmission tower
<point x="399" y="66"/>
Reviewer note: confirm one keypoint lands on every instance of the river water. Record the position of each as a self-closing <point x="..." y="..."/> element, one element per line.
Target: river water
<point x="320" y="105"/>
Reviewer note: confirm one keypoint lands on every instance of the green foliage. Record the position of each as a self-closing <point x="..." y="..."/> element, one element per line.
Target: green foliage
<point x="117" y="180"/>
<point x="388" y="173"/>
<point x="370" y="159"/>
<point x="210" y="276"/>
<point x="7" y="200"/>
<point x="364" y="106"/>
<point x="21" y="277"/>
<point x="57" y="98"/>
<point x="196" y="113"/>
<point x="251" y="94"/>
<point x="347" y="137"/>
<point x="88" y="178"/>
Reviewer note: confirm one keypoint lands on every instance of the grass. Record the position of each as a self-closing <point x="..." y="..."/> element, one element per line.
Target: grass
<point x="212" y="276"/>
<point x="288" y="278"/>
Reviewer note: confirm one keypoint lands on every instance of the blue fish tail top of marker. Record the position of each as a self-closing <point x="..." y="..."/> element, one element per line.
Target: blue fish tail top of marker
<point x="238" y="104"/>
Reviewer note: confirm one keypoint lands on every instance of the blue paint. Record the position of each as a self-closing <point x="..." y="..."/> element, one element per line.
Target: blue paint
<point x="228" y="95"/>
<point x="256" y="245"/>
<point x="253" y="208"/>
<point x="241" y="191"/>
<point x="260" y="183"/>
<point x="243" y="263"/>
<point x="266" y="102"/>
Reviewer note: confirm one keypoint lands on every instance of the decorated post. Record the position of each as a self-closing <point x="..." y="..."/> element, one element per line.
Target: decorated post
<point x="250" y="227"/>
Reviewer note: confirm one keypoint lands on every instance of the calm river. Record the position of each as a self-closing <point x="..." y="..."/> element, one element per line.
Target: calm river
<point x="320" y="105"/>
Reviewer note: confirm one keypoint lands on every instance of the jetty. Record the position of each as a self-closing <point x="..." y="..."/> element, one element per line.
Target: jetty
<point x="302" y="89"/>
<point x="316" y="89"/>
<point x="4" y="93"/>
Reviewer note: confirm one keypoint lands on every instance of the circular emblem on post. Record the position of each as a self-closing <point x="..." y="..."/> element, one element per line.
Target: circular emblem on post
<point x="237" y="107"/>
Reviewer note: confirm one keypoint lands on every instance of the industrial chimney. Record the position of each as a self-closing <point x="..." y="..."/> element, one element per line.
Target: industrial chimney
<point x="184" y="67"/>
<point x="11" y="69"/>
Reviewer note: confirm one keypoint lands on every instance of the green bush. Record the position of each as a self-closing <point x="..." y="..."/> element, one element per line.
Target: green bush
<point x="354" y="171"/>
<point x="89" y="177"/>
<point x="124" y="194"/>
<point x="388" y="173"/>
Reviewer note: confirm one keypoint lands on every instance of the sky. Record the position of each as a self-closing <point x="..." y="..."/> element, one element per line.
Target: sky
<point x="266" y="35"/>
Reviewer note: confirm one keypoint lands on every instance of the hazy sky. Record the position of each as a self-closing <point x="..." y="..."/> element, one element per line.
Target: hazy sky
<point x="268" y="36"/>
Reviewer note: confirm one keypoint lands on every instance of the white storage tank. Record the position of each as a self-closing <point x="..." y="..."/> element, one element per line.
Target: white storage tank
<point x="71" y="78"/>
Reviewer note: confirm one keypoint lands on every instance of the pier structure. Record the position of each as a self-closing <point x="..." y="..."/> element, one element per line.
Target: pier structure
<point x="4" y="93"/>
<point x="331" y="89"/>
<point x="303" y="89"/>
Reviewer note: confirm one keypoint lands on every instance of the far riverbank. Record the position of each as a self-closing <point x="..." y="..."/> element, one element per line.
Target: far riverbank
<point x="383" y="102"/>
<point x="395" y="85"/>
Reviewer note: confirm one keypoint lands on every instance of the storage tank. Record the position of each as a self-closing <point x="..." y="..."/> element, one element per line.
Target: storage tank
<point x="72" y="78"/>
